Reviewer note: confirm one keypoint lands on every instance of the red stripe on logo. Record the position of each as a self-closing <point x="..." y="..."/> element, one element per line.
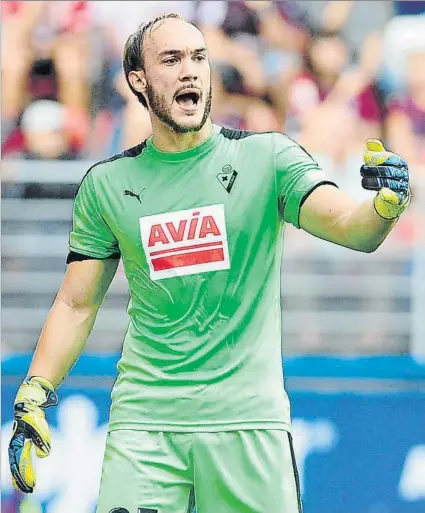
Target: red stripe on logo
<point x="198" y="257"/>
<point x="194" y="246"/>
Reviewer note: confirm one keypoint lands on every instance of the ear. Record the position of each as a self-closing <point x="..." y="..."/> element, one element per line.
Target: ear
<point x="138" y="80"/>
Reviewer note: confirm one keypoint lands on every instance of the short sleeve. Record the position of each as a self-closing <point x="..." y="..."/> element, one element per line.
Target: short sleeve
<point x="91" y="236"/>
<point x="297" y="175"/>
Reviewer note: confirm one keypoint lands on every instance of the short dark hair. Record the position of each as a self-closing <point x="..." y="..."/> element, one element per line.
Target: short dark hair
<point x="133" y="59"/>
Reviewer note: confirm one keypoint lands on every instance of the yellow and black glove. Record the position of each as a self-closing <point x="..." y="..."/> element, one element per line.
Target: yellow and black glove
<point x="388" y="174"/>
<point x="30" y="427"/>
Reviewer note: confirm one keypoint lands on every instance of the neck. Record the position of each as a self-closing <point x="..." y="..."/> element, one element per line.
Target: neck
<point x="166" y="139"/>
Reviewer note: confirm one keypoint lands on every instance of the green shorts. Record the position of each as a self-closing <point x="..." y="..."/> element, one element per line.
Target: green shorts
<point x="251" y="471"/>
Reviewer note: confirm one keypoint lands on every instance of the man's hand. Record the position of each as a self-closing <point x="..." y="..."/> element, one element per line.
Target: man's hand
<point x="387" y="173"/>
<point x="30" y="427"/>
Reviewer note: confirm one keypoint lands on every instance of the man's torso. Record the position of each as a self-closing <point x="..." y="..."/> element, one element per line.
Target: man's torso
<point x="200" y="235"/>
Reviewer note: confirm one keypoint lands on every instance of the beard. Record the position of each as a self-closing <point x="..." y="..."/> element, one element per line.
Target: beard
<point x="162" y="110"/>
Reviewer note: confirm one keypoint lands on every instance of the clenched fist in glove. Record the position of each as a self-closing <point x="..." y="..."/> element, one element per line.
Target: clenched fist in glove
<point x="388" y="174"/>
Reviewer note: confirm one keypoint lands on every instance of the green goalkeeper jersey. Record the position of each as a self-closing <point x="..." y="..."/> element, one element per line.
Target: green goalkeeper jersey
<point x="200" y="236"/>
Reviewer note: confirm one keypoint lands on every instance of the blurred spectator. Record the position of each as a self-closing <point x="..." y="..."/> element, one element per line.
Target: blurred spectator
<point x="356" y="20"/>
<point x="227" y="100"/>
<point x="405" y="123"/>
<point x="46" y="33"/>
<point x="260" y="117"/>
<point x="234" y="44"/>
<point x="330" y="107"/>
<point x="283" y="37"/>
<point x="17" y="55"/>
<point x="402" y="36"/>
<point x="44" y="134"/>
<point x="263" y="41"/>
<point x="233" y="109"/>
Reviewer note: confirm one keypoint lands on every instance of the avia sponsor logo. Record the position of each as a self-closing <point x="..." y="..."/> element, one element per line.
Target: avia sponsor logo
<point x="185" y="242"/>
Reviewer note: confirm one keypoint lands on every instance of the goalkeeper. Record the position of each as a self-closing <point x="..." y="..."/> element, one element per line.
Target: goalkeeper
<point x="199" y="411"/>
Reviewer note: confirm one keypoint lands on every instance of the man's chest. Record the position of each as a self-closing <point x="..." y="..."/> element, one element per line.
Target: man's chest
<point x="190" y="220"/>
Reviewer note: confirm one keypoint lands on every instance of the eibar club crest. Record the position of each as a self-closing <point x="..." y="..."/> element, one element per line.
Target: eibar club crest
<point x="227" y="177"/>
<point x="185" y="242"/>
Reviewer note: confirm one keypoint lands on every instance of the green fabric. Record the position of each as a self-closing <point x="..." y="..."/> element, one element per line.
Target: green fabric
<point x="297" y="174"/>
<point x="203" y="347"/>
<point x="240" y="471"/>
<point x="245" y="472"/>
<point x="149" y="470"/>
<point x="91" y="235"/>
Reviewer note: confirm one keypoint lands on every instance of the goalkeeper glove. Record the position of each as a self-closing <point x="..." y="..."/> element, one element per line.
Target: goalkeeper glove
<point x="30" y="427"/>
<point x="388" y="174"/>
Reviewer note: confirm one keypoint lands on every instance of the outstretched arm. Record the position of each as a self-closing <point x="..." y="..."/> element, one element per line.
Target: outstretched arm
<point x="330" y="214"/>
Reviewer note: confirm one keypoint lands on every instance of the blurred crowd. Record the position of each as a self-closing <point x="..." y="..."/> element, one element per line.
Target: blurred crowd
<point x="328" y="73"/>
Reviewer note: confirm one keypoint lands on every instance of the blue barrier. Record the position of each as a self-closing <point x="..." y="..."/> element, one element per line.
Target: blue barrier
<point x="358" y="451"/>
<point x="377" y="367"/>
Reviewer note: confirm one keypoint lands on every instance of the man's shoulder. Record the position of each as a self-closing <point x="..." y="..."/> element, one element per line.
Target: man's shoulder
<point x="235" y="134"/>
<point x="257" y="139"/>
<point x="115" y="161"/>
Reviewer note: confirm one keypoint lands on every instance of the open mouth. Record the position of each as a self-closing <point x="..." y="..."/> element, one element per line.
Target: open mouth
<point x="188" y="98"/>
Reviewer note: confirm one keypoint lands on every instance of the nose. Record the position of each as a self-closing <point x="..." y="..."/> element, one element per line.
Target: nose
<point x="188" y="71"/>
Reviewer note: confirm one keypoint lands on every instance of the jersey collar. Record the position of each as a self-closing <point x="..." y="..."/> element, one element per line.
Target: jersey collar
<point x="186" y="154"/>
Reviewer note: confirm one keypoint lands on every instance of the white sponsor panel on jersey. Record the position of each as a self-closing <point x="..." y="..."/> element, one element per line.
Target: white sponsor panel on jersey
<point x="185" y="242"/>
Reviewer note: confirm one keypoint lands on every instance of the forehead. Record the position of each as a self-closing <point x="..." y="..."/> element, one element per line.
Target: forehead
<point x="173" y="34"/>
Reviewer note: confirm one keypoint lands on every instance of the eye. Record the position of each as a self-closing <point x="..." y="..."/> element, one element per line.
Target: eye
<point x="171" y="61"/>
<point x="200" y="57"/>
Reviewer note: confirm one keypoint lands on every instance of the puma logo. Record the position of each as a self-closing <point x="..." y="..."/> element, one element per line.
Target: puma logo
<point x="137" y="196"/>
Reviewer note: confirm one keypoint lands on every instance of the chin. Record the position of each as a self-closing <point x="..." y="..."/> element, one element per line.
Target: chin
<point x="185" y="125"/>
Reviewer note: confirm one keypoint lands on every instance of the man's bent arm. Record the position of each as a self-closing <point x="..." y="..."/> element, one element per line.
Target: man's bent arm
<point x="71" y="318"/>
<point x="332" y="215"/>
